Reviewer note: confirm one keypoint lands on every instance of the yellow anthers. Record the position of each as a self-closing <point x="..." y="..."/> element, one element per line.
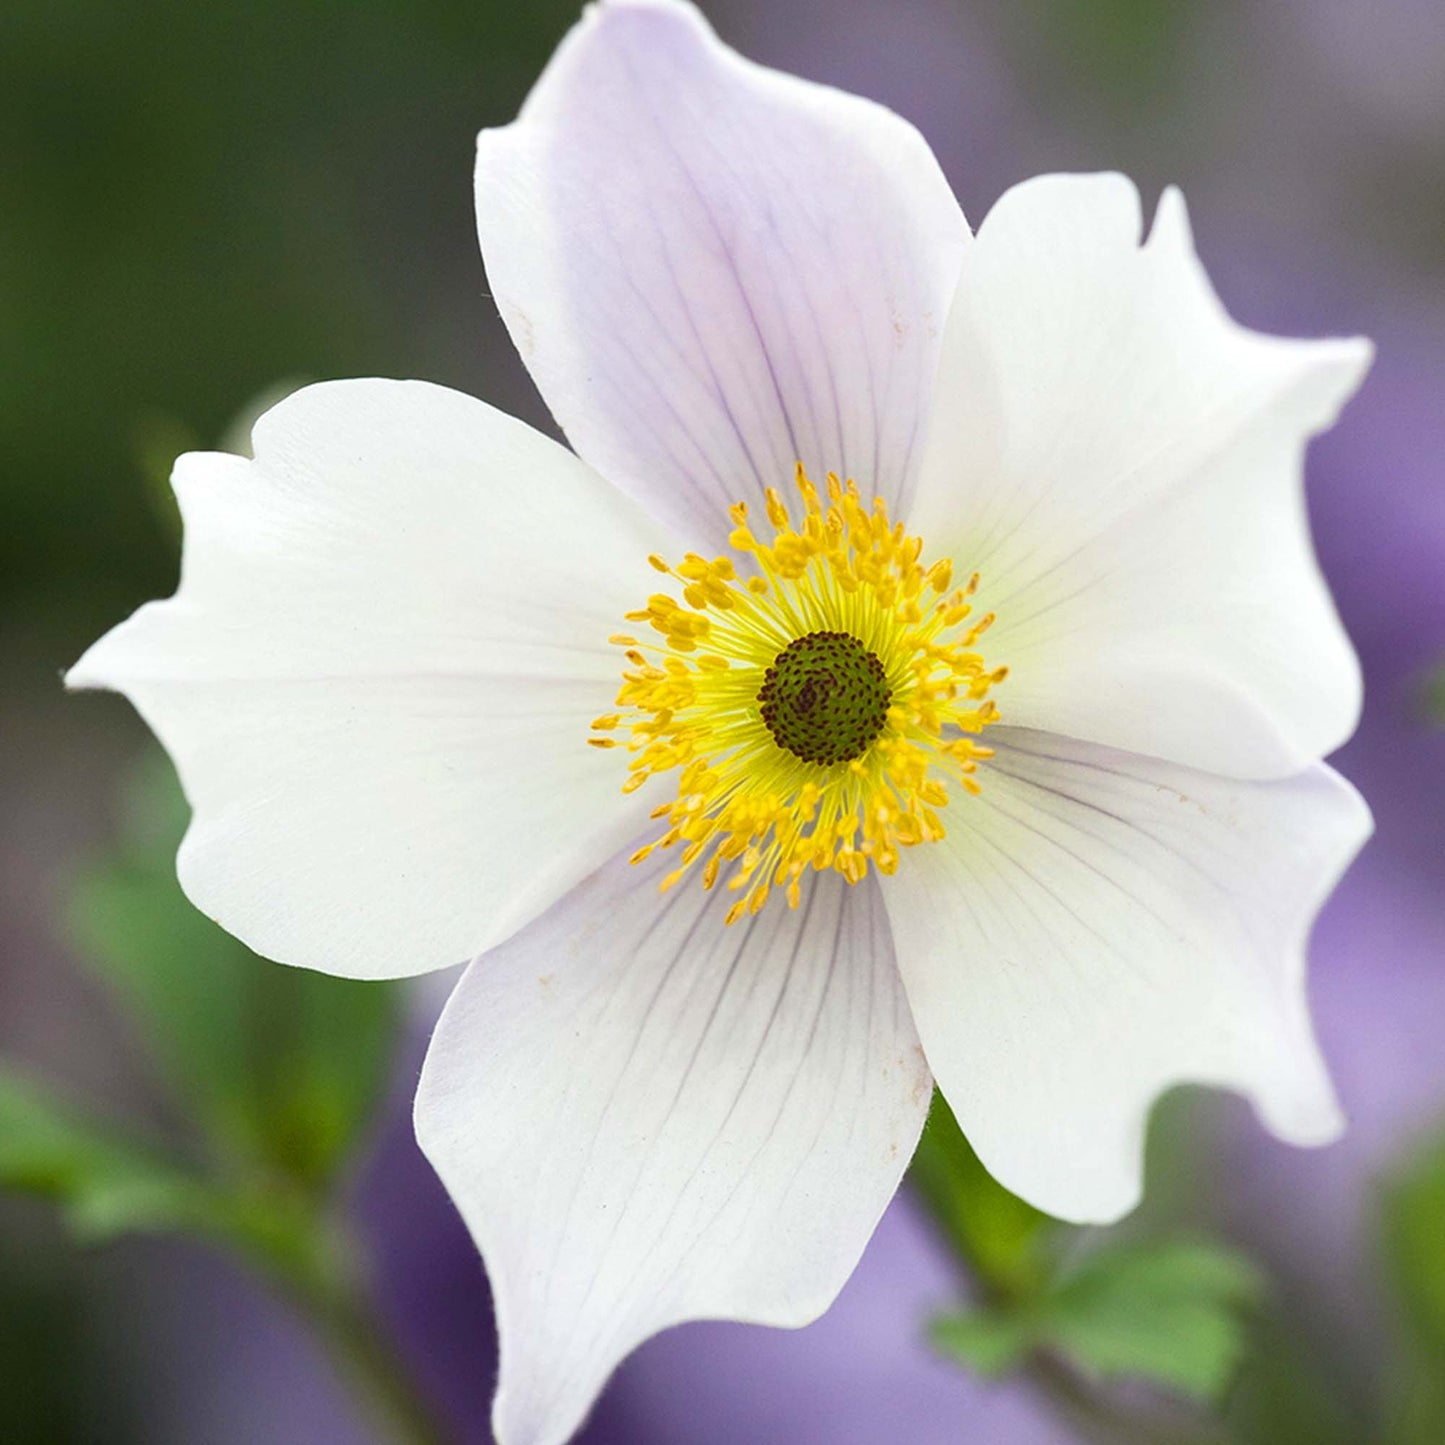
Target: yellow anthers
<point x="814" y="710"/>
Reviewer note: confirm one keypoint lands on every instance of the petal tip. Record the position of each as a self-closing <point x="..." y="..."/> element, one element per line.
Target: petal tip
<point x="1350" y="706"/>
<point x="587" y="31"/>
<point x="83" y="675"/>
<point x="1107" y="1203"/>
<point x="1311" y="1120"/>
<point x="1171" y="220"/>
<point x="1103" y="206"/>
<point x="98" y="667"/>
<point x="1356" y="357"/>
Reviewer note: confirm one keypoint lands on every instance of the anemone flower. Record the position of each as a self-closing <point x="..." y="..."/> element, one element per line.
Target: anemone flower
<point x="918" y="671"/>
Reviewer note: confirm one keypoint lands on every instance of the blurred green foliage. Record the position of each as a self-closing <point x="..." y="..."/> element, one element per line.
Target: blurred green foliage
<point x="48" y="1353"/>
<point x="1172" y="1312"/>
<point x="200" y="199"/>
<point x="1010" y="1242"/>
<point x="282" y="1065"/>
<point x="277" y="1071"/>
<point x="1120" y="54"/>
<point x="1191" y="1317"/>
<point x="1286" y="1396"/>
<point x="277" y="1074"/>
<point x="105" y="1183"/>
<point x="1413" y="1233"/>
<point x="1432" y="694"/>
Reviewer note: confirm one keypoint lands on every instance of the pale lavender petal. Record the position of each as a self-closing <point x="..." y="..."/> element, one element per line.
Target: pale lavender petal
<point x="647" y="1117"/>
<point x="715" y="271"/>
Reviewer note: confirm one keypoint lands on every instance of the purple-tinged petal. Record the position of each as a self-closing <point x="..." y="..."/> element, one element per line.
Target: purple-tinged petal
<point x="715" y="271"/>
<point x="648" y="1117"/>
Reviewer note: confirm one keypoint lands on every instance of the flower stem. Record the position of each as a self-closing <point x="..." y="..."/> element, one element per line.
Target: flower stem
<point x="320" y="1266"/>
<point x="1095" y="1417"/>
<point x="367" y="1356"/>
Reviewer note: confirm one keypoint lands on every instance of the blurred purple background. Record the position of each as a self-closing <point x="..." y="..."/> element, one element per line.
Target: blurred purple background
<point x="1310" y="141"/>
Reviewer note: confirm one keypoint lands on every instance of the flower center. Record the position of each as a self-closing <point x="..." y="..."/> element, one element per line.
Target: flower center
<point x="825" y="698"/>
<point x="815" y="710"/>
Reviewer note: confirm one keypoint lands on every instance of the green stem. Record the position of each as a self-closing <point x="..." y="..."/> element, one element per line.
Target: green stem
<point x="320" y="1267"/>
<point x="367" y="1355"/>
<point x="1098" y="1418"/>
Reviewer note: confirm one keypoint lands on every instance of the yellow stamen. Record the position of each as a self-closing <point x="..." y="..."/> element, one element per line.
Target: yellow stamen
<point x="867" y="662"/>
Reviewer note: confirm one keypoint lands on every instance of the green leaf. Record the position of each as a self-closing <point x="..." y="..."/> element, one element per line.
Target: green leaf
<point x="1413" y="1238"/>
<point x="105" y="1185"/>
<point x="1173" y="1313"/>
<point x="1413" y="1216"/>
<point x="989" y="1342"/>
<point x="1005" y="1241"/>
<point x="108" y="1185"/>
<point x="281" y="1066"/>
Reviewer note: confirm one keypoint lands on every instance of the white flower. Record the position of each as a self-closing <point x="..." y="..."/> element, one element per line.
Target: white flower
<point x="1056" y="892"/>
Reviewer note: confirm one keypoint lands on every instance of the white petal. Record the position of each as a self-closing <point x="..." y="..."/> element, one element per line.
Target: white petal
<point x="647" y="1117"/>
<point x="1123" y="463"/>
<point x="377" y="676"/>
<point x="713" y="270"/>
<point x="1097" y="927"/>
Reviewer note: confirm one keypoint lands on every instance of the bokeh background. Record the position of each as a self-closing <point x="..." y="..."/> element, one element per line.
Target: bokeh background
<point x="200" y="204"/>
